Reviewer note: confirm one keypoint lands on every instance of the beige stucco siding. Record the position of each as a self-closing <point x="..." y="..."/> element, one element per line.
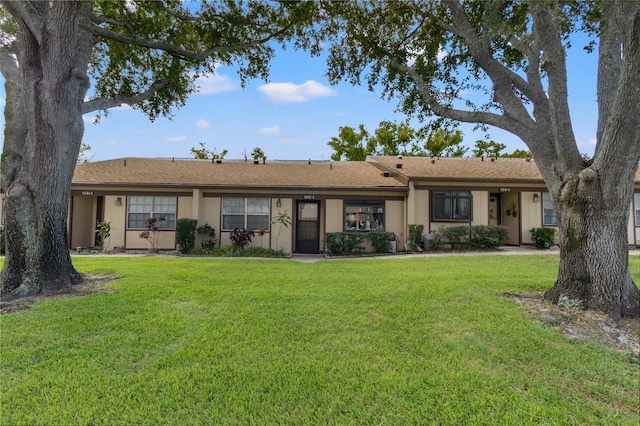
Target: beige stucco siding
<point x="185" y="208"/>
<point x="281" y="237"/>
<point x="117" y="215"/>
<point x="335" y="215"/>
<point x="394" y="221"/>
<point x="480" y="207"/>
<point x="531" y="215"/>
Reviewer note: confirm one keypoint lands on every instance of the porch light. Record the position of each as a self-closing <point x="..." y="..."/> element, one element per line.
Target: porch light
<point x="118" y="201"/>
<point x="278" y="203"/>
<point x="536" y="198"/>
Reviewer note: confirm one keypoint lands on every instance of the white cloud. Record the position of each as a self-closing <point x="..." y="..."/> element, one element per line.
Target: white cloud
<point x="210" y="84"/>
<point x="414" y="55"/>
<point x="273" y="130"/>
<point x="290" y="92"/>
<point x="203" y="124"/>
<point x="176" y="139"/>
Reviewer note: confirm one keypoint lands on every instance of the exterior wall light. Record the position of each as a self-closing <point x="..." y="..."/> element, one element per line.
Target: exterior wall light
<point x="278" y="203"/>
<point x="536" y="198"/>
<point x="118" y="201"/>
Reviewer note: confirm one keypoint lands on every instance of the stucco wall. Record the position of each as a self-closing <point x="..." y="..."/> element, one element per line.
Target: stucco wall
<point x="82" y="226"/>
<point x="117" y="215"/>
<point x="531" y="215"/>
<point x="281" y="237"/>
<point x="394" y="221"/>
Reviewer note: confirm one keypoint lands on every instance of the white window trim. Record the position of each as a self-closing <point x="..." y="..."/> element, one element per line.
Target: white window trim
<point x="152" y="213"/>
<point x="245" y="214"/>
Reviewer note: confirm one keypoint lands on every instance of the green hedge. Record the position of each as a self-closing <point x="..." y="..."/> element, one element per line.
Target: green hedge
<point x="186" y="234"/>
<point x="349" y="243"/>
<point x="469" y="237"/>
<point x="543" y="237"/>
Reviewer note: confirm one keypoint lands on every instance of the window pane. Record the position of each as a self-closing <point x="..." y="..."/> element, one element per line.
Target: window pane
<point x="136" y="220"/>
<point x="164" y="204"/>
<point x="548" y="212"/>
<point x="636" y="202"/>
<point x="257" y="222"/>
<point x="257" y="205"/>
<point x="233" y="205"/>
<point x="232" y="221"/>
<point x="140" y="204"/>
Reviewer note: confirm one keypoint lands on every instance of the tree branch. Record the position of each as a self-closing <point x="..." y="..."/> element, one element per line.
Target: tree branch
<point x="101" y="104"/>
<point x="178" y="51"/>
<point x="506" y="122"/>
<point x="27" y="12"/>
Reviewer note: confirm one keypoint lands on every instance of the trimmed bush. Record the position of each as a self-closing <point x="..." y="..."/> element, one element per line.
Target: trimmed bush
<point x="186" y="234"/>
<point x="469" y="237"/>
<point x="349" y="243"/>
<point x="342" y="243"/>
<point x="543" y="237"/>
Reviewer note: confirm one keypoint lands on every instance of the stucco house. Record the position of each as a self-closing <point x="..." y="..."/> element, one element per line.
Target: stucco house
<point x="379" y="194"/>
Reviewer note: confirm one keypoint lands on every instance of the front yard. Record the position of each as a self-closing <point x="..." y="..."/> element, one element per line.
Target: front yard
<point x="429" y="340"/>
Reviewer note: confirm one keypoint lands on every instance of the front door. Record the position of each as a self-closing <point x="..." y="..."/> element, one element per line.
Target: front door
<point x="308" y="227"/>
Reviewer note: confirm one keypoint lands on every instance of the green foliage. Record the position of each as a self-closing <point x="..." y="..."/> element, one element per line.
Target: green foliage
<point x="488" y="149"/>
<point x="543" y="238"/>
<point x="84" y="154"/>
<point x="381" y="241"/>
<point x="389" y="138"/>
<point x="407" y="341"/>
<point x="241" y="237"/>
<point x="416" y="238"/>
<point x="203" y="153"/>
<point x="104" y="232"/>
<point x="258" y="154"/>
<point x="352" y="243"/>
<point x="518" y="153"/>
<point x="186" y="234"/>
<point x="441" y="143"/>
<point x="469" y="237"/>
<point x="208" y="235"/>
<point x="344" y="243"/>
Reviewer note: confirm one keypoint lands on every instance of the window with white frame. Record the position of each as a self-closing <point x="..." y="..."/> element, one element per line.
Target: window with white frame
<point x="247" y="213"/>
<point x="141" y="208"/>
<point x="549" y="217"/>
<point x="636" y="207"/>
<point x="454" y="206"/>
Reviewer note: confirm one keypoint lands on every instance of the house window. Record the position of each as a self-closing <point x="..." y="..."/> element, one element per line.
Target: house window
<point x="456" y="206"/>
<point x="636" y="207"/>
<point x="364" y="216"/>
<point x="140" y="209"/>
<point x="247" y="213"/>
<point x="549" y="217"/>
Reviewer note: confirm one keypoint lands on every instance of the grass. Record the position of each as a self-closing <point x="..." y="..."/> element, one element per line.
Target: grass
<point x="239" y="341"/>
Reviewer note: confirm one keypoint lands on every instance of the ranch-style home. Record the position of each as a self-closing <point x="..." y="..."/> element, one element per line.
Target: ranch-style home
<point x="379" y="194"/>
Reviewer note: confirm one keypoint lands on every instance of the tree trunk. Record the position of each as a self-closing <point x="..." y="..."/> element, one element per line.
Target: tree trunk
<point x="43" y="133"/>
<point x="594" y="263"/>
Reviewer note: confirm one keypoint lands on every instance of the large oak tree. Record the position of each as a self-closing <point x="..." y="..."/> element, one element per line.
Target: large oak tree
<point x="142" y="53"/>
<point x="503" y="63"/>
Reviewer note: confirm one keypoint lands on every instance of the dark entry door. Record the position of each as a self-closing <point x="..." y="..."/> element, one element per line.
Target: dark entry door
<point x="308" y="227"/>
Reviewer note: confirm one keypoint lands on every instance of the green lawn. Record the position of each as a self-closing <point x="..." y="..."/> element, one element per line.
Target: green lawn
<point x="238" y="341"/>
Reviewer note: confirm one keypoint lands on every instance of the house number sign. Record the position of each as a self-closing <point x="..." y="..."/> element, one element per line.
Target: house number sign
<point x="505" y="189"/>
<point x="87" y="192"/>
<point x="309" y="197"/>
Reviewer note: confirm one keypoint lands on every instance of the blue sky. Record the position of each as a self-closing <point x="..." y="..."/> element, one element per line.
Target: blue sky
<point x="294" y="115"/>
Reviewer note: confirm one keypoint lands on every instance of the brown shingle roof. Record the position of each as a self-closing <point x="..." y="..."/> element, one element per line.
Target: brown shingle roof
<point x="191" y="172"/>
<point x="472" y="169"/>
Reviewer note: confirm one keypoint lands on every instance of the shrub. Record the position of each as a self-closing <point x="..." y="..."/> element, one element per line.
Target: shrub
<point x="208" y="235"/>
<point x="469" y="237"/>
<point x="233" y="251"/>
<point x="241" y="237"/>
<point x="380" y="241"/>
<point x="543" y="237"/>
<point x="415" y="236"/>
<point x="186" y="234"/>
<point x="341" y="243"/>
